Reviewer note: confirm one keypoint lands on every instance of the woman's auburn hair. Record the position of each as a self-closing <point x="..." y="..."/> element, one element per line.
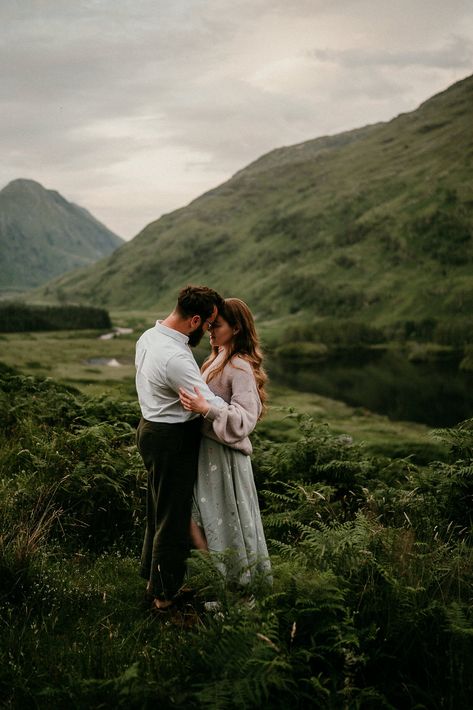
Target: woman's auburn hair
<point x="245" y="344"/>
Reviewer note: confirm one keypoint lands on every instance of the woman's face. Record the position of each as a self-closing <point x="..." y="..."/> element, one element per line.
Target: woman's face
<point x="221" y="333"/>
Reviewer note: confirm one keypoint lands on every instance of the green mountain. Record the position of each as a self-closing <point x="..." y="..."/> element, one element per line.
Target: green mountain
<point x="42" y="235"/>
<point x="374" y="223"/>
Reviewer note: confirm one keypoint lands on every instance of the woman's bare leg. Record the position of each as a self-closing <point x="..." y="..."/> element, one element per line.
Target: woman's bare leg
<point x="198" y="537"/>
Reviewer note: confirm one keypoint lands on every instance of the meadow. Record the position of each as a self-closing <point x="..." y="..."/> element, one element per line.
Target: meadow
<point x="65" y="356"/>
<point x="369" y="528"/>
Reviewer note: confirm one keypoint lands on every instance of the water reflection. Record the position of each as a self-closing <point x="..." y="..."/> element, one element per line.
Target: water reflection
<point x="436" y="394"/>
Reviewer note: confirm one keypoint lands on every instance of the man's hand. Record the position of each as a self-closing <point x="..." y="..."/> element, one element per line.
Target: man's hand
<point x="194" y="402"/>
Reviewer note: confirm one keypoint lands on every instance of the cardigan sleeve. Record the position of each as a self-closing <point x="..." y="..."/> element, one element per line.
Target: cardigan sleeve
<point x="237" y="420"/>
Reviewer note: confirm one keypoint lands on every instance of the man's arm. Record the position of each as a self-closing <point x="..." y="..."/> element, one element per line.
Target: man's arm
<point x="182" y="371"/>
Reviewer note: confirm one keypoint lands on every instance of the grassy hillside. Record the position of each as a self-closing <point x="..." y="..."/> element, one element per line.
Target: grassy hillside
<point x="374" y="223"/>
<point x="43" y="235"/>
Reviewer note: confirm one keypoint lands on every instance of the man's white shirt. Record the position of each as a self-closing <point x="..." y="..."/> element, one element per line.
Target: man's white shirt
<point x="164" y="362"/>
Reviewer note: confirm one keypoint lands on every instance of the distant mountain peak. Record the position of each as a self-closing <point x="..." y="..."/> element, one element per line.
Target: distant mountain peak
<point x="25" y="188"/>
<point x="23" y="184"/>
<point x="42" y="235"/>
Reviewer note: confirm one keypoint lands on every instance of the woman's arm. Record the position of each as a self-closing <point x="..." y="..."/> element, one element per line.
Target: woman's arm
<point x="233" y="421"/>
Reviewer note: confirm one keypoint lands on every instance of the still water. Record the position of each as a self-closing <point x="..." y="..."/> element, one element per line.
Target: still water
<point x="436" y="394"/>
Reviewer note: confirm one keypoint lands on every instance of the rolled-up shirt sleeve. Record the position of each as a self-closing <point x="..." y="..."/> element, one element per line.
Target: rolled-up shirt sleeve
<point x="182" y="371"/>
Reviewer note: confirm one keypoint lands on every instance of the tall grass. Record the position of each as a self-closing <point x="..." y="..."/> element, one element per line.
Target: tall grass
<point x="370" y="605"/>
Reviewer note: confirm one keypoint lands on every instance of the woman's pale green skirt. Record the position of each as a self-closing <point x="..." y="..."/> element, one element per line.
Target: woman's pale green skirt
<point x="226" y="507"/>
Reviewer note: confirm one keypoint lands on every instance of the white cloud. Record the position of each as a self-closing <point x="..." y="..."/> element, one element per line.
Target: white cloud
<point x="456" y="53"/>
<point x="133" y="108"/>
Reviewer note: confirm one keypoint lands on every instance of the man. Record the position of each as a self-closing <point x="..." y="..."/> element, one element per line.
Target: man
<point x="168" y="436"/>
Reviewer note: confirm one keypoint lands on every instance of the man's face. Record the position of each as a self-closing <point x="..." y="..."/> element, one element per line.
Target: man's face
<point x="196" y="335"/>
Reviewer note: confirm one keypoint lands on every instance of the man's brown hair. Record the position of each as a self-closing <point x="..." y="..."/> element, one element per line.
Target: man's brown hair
<point x="198" y="301"/>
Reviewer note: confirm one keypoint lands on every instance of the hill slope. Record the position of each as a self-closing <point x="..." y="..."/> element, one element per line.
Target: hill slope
<point x="43" y="235"/>
<point x="374" y="223"/>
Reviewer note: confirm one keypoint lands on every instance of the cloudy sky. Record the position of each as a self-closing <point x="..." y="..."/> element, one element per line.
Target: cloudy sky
<point x="131" y="108"/>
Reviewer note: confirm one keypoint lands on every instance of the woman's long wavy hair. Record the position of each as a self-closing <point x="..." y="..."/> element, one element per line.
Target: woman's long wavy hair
<point x="245" y="344"/>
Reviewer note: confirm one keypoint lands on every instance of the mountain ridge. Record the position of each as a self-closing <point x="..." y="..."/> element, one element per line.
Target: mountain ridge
<point x="42" y="235"/>
<point x="373" y="223"/>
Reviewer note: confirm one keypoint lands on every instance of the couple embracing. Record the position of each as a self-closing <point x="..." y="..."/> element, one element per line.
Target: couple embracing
<point x="193" y="438"/>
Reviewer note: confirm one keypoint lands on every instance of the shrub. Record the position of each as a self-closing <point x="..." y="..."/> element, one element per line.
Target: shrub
<point x="303" y="291"/>
<point x="342" y="333"/>
<point x="422" y="330"/>
<point x="444" y="235"/>
<point x="82" y="448"/>
<point x="20" y="317"/>
<point x="456" y="332"/>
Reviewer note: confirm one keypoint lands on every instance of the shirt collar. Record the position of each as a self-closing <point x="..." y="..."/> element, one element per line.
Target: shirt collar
<point x="175" y="334"/>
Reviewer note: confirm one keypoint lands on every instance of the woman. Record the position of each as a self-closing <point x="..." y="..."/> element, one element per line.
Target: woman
<point x="226" y="515"/>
